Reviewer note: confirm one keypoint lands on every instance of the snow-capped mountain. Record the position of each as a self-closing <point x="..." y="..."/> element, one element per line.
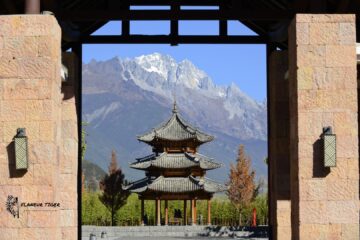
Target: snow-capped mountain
<point x="162" y="75"/>
<point x="136" y="94"/>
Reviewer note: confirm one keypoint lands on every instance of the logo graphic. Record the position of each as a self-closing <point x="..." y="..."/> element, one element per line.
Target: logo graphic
<point x="12" y="205"/>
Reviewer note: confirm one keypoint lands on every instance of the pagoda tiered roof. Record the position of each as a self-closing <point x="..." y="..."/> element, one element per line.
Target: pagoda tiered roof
<point x="175" y="129"/>
<point x="175" y="161"/>
<point x="175" y="170"/>
<point x="175" y="185"/>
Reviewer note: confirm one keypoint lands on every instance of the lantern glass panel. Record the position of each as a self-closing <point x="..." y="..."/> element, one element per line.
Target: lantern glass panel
<point x="329" y="150"/>
<point x="21" y="153"/>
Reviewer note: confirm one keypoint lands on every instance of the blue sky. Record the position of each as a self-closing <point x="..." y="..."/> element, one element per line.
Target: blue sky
<point x="240" y="63"/>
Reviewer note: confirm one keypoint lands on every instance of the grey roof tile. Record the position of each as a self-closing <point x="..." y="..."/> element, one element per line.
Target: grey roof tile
<point x="176" y="185"/>
<point x="175" y="160"/>
<point x="175" y="129"/>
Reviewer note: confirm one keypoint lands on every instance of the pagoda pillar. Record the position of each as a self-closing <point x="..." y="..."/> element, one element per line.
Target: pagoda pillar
<point x="195" y="216"/>
<point x="209" y="212"/>
<point x="158" y="212"/>
<point x="166" y="213"/>
<point x="192" y="211"/>
<point x="142" y="212"/>
<point x="185" y="215"/>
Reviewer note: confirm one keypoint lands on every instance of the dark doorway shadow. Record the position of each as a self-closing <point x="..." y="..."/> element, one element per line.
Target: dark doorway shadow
<point x="319" y="169"/>
<point x="13" y="172"/>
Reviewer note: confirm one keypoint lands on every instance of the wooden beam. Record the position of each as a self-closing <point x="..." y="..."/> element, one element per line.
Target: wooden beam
<point x="318" y="6"/>
<point x="10" y="6"/>
<point x="299" y="5"/>
<point x="343" y="6"/>
<point x="174" y="24"/>
<point x="167" y="39"/>
<point x="223" y="25"/>
<point x="125" y="24"/>
<point x="233" y="14"/>
<point x="171" y="196"/>
<point x="181" y="2"/>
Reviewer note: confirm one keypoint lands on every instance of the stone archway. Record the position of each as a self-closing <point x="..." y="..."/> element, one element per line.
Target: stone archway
<point x="307" y="200"/>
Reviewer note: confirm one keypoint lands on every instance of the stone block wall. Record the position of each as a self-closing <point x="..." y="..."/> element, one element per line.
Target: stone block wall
<point x="31" y="98"/>
<point x="279" y="151"/>
<point x="68" y="165"/>
<point x="323" y="92"/>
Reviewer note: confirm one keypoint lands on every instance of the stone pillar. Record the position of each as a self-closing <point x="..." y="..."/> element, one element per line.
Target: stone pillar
<point x="209" y="212"/>
<point x="142" y="213"/>
<point x="68" y="151"/>
<point x="166" y="213"/>
<point x="323" y="92"/>
<point x="31" y="98"/>
<point x="185" y="215"/>
<point x="279" y="151"/>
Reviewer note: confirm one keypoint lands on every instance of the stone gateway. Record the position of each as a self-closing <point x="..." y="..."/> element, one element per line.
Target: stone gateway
<point x="312" y="84"/>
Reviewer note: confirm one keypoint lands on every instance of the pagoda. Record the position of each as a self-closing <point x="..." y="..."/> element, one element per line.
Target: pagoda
<point x="175" y="170"/>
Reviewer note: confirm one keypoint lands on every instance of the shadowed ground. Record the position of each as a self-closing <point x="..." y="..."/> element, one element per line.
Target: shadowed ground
<point x="187" y="238"/>
<point x="175" y="232"/>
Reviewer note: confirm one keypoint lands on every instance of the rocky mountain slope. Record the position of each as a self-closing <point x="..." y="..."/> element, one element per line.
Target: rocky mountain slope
<point x="123" y="98"/>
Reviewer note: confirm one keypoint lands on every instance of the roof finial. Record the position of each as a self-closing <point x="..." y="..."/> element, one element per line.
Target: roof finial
<point x="175" y="110"/>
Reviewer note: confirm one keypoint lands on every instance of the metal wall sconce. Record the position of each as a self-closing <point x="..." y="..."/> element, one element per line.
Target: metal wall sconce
<point x="21" y="149"/>
<point x="329" y="140"/>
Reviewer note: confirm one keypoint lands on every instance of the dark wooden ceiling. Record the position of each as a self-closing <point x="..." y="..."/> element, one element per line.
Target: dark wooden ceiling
<point x="268" y="18"/>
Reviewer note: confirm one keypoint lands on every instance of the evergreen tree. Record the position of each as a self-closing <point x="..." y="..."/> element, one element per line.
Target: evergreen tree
<point x="241" y="182"/>
<point x="113" y="196"/>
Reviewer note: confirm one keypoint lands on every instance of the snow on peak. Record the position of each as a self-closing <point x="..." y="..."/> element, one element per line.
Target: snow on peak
<point x="162" y="75"/>
<point x="157" y="63"/>
<point x="172" y="73"/>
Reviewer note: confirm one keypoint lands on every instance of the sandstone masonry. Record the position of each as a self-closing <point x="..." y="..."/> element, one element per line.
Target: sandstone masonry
<point x="32" y="97"/>
<point x="323" y="92"/>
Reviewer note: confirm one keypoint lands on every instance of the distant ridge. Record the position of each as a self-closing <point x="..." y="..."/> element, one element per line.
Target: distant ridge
<point x="123" y="98"/>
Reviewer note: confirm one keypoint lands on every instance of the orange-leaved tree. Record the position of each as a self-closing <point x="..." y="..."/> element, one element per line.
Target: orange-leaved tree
<point x="113" y="195"/>
<point x="241" y="184"/>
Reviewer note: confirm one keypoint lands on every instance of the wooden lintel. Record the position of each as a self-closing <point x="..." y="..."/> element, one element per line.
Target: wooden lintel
<point x="223" y="26"/>
<point x="152" y="15"/>
<point x="180" y="2"/>
<point x="170" y="196"/>
<point x="167" y="39"/>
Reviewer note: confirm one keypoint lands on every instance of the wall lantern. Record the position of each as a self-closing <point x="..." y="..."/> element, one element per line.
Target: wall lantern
<point x="21" y="149"/>
<point x="329" y="140"/>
